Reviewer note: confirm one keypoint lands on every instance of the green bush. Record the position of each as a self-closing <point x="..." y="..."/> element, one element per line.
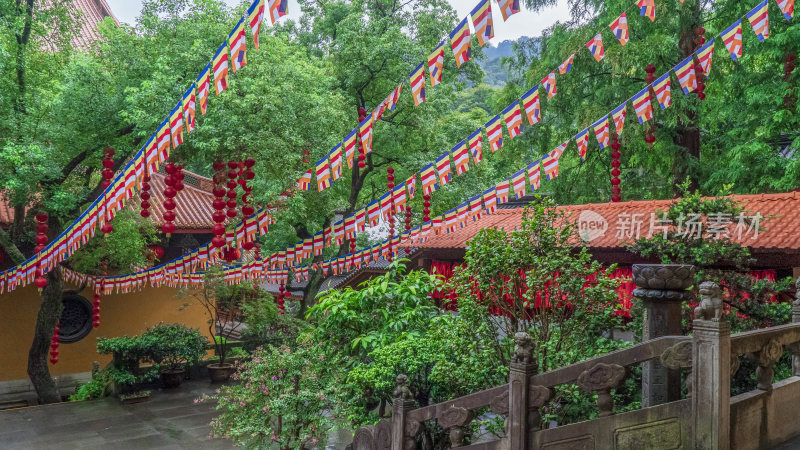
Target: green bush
<point x="171" y="346"/>
<point x="94" y="388"/>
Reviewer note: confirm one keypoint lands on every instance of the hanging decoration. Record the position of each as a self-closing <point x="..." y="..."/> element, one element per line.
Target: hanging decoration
<point x="218" y="216"/>
<point x="96" y="302"/>
<point x="247" y="209"/>
<point x="170" y="180"/>
<point x="108" y="168"/>
<point x="145" y="197"/>
<point x="390" y="188"/>
<point x="615" y="172"/>
<point x="426" y="208"/>
<point x="362" y="156"/>
<point x="41" y="243"/>
<point x="408" y="224"/>
<point x="232" y="175"/>
<point x="54" y="342"/>
<point x="281" y="296"/>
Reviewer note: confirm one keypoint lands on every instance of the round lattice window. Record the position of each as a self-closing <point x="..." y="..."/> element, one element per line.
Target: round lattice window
<point x="76" y="318"/>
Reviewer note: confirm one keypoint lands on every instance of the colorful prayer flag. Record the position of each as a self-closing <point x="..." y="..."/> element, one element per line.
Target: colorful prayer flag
<point x="188" y="108"/>
<point x="255" y="14"/>
<point x="443" y="168"/>
<point x="475" y="149"/>
<point x="704" y="55"/>
<point x="365" y="134"/>
<point x="513" y="118"/>
<point x="386" y="205"/>
<point x="642" y="106"/>
<point x="350" y="147"/>
<point x="618" y="114"/>
<point x="428" y="178"/>
<point x="530" y="101"/>
<point x="508" y="8"/>
<point x="176" y="125"/>
<point x="395" y="96"/>
<point x="277" y="9"/>
<point x="550" y="161"/>
<point x="482" y="21"/>
<point x="399" y="198"/>
<point x="494" y="131"/>
<point x="203" y="87"/>
<point x="335" y="156"/>
<point x="417" y="79"/>
<point x="534" y="175"/>
<point x="220" y="63"/>
<point x="787" y="8"/>
<point x="663" y="92"/>
<point x="518" y="184"/>
<point x="163" y="137"/>
<point x="459" y="41"/>
<point x="566" y="66"/>
<point x="601" y="132"/>
<point x="461" y="157"/>
<point x="647" y="8"/>
<point x="490" y="200"/>
<point x="374" y="213"/>
<point x="759" y="20"/>
<point x="323" y="174"/>
<point x="411" y="185"/>
<point x="436" y="64"/>
<point x="619" y="28"/>
<point x="686" y="77"/>
<point x="237" y="42"/>
<point x="549" y="84"/>
<point x="582" y="141"/>
<point x="304" y="181"/>
<point x="595" y="47"/>
<point x="732" y="37"/>
<point x="501" y="192"/>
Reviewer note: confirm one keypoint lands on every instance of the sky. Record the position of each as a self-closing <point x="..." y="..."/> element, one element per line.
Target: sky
<point x="524" y="23"/>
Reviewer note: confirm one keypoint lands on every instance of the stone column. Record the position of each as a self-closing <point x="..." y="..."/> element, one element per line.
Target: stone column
<point x="523" y="367"/>
<point x="795" y="347"/>
<point x="402" y="402"/>
<point x="661" y="289"/>
<point x="711" y="379"/>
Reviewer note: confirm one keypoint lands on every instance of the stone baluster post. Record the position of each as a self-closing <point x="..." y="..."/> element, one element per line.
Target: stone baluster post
<point x="403" y="401"/>
<point x="523" y="367"/>
<point x="711" y="374"/>
<point x="662" y="288"/>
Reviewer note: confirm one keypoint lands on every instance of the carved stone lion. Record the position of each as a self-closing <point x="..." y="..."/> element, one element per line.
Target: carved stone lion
<point x="523" y="348"/>
<point x="797" y="292"/>
<point x="710" y="307"/>
<point x="402" y="391"/>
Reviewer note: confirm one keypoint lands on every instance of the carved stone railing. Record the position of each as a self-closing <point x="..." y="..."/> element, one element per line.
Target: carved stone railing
<point x="707" y="419"/>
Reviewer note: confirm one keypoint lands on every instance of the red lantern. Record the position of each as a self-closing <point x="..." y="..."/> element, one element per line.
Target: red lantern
<point x="54" y="342"/>
<point x="615" y="172"/>
<point x="156" y="251"/>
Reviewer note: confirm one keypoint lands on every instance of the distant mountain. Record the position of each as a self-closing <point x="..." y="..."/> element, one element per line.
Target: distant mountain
<point x="496" y="74"/>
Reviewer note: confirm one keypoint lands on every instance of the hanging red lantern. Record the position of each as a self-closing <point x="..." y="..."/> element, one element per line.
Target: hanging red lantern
<point x="281" y="292"/>
<point x="218" y="216"/>
<point x="145" y="196"/>
<point x="179" y="178"/>
<point x="362" y="114"/>
<point x="615" y="172"/>
<point x="54" y="342"/>
<point x="41" y="243"/>
<point x="108" y="164"/>
<point x="426" y="208"/>
<point x="390" y="187"/>
<point x="408" y="224"/>
<point x="156" y="251"/>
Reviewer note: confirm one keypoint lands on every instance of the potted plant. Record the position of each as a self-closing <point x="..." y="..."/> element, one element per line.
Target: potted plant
<point x="223" y="304"/>
<point x="171" y="347"/>
<point x="125" y="372"/>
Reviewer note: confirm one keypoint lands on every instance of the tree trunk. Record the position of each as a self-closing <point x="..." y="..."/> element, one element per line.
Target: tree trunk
<point x="49" y="314"/>
<point x="687" y="132"/>
<point x="311" y="290"/>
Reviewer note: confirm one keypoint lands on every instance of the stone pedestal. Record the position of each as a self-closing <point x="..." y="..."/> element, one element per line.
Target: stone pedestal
<point x="661" y="289"/>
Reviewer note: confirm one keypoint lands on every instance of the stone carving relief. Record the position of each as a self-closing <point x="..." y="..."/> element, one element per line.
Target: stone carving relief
<point x="664" y="434"/>
<point x="710" y="307"/>
<point x="499" y="404"/>
<point x="364" y="438"/>
<point x="402" y="391"/>
<point x="523" y="348"/>
<point x="538" y="395"/>
<point x="455" y="419"/>
<point x="678" y="356"/>
<point x="602" y="378"/>
<point x="797" y="292"/>
<point x="383" y="435"/>
<point x="766" y="359"/>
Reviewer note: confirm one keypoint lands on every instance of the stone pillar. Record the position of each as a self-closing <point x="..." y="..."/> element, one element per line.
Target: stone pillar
<point x="795" y="347"/>
<point x="523" y="367"/>
<point x="662" y="289"/>
<point x="402" y="402"/>
<point x="711" y="379"/>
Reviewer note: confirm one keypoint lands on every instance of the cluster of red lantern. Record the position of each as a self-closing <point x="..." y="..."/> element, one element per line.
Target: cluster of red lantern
<point x="41" y="242"/>
<point x="282" y="294"/>
<point x="649" y="135"/>
<point x="96" y="304"/>
<point x="698" y="68"/>
<point x="108" y="168"/>
<point x="615" y="172"/>
<point x="390" y="187"/>
<point x="408" y="224"/>
<point x="247" y="174"/>
<point x="218" y="229"/>
<point x="54" y="345"/>
<point x="362" y="114"/>
<point x="145" y="196"/>
<point x="231" y="184"/>
<point x="173" y="182"/>
<point x="426" y="208"/>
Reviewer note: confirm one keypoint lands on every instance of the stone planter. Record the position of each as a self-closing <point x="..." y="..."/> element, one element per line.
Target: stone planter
<point x="671" y="277"/>
<point x="172" y="378"/>
<point x="136" y="397"/>
<point x="220" y="372"/>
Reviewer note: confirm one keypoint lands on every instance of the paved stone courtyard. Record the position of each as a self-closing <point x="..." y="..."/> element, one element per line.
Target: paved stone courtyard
<point x="170" y="419"/>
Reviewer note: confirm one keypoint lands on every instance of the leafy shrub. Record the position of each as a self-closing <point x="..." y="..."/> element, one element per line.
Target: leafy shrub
<point x="172" y="345"/>
<point x="94" y="388"/>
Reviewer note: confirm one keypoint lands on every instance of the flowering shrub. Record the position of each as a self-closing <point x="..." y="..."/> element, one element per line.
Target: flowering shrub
<point x="280" y="400"/>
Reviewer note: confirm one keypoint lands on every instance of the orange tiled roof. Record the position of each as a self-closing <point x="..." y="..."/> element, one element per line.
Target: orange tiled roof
<point x="193" y="211"/>
<point x="93" y="12"/>
<point x="609" y="225"/>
